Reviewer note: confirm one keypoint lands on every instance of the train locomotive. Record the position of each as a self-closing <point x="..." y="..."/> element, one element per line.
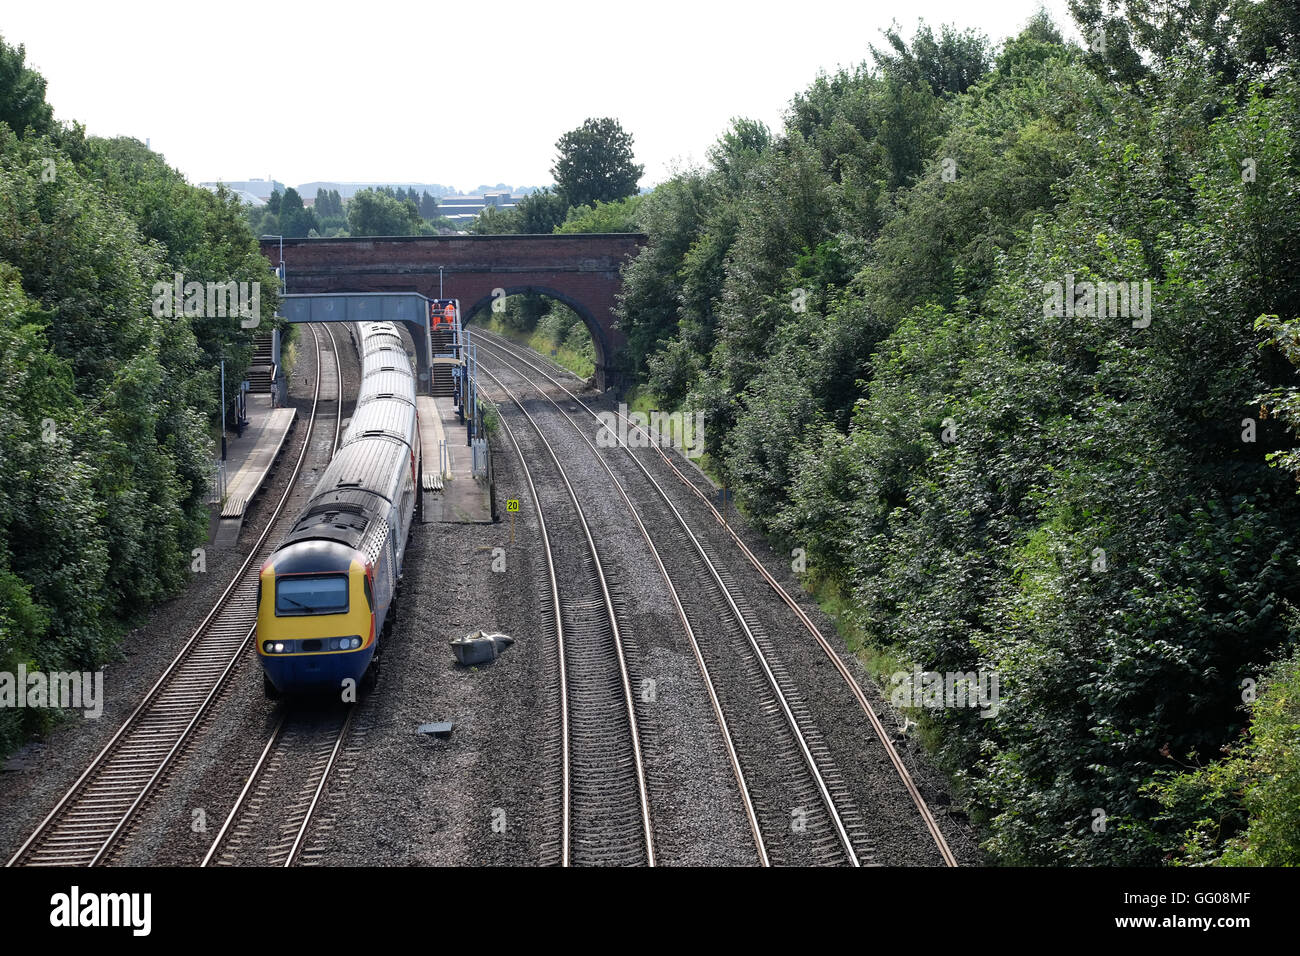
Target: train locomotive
<point x="326" y="595"/>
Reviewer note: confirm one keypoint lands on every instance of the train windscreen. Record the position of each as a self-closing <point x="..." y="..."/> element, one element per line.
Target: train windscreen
<point x="311" y="594"/>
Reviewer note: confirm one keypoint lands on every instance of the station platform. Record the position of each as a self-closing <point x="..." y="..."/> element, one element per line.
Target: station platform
<point x="451" y="493"/>
<point x="249" y="459"/>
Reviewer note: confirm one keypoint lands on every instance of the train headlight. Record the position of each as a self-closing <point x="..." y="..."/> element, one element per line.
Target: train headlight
<point x="279" y="647"/>
<point x="267" y="647"/>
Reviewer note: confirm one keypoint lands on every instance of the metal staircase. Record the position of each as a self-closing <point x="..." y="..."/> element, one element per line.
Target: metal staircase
<point x="261" y="373"/>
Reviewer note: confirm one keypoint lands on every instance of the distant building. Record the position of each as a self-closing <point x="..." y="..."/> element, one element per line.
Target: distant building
<point x="246" y="197"/>
<point x="258" y="188"/>
<point x="459" y="208"/>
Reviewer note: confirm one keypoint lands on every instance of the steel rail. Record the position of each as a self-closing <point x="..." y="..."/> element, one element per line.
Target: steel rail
<point x="94" y="793"/>
<point x="733" y="758"/>
<point x="647" y="826"/>
<point x="855" y="688"/>
<point x="760" y="657"/>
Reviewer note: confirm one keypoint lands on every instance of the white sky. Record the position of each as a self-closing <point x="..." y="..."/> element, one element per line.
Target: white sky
<point x="459" y="94"/>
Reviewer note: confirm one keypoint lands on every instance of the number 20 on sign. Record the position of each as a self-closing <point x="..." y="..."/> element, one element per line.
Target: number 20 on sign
<point x="512" y="505"/>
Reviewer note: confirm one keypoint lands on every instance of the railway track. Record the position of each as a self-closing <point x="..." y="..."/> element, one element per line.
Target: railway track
<point x="751" y="815"/>
<point x="805" y="807"/>
<point x="96" y="812"/>
<point x="721" y="578"/>
<point x="272" y="816"/>
<point x="605" y="811"/>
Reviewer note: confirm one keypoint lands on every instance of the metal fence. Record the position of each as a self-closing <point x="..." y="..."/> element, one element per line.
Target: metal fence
<point x="482" y="459"/>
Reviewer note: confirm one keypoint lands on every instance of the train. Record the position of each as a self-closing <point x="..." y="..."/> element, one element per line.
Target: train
<point x="326" y="596"/>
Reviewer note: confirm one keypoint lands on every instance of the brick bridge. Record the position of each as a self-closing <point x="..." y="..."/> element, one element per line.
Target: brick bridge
<point x="582" y="271"/>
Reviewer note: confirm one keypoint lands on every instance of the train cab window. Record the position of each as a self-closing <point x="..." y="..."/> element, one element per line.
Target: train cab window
<point x="311" y="594"/>
<point x="370" y="598"/>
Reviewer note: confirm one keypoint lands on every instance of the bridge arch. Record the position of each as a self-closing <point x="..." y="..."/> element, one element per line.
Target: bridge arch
<point x="604" y="357"/>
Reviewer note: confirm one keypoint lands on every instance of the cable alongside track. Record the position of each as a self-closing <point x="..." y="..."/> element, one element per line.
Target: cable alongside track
<point x="508" y="349"/>
<point x="605" y="814"/>
<point x="95" y="813"/>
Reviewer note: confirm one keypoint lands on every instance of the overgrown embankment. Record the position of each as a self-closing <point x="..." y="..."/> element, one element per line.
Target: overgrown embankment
<point x="977" y="330"/>
<point x="111" y="385"/>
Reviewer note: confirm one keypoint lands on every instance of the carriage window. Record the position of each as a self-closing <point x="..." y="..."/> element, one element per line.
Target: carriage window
<point x="311" y="594"/>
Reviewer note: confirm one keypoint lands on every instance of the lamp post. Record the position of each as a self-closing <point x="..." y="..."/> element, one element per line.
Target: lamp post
<point x="282" y="274"/>
<point x="223" y="409"/>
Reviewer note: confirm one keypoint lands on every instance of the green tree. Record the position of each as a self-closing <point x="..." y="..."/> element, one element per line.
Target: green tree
<point x="378" y="213"/>
<point x="328" y="204"/>
<point x="203" y="237"/>
<point x="133" y="416"/>
<point x="603" y="217"/>
<point x="1230" y="39"/>
<point x="538" y="213"/>
<point x="1078" y="504"/>
<point x="948" y="64"/>
<point x="541" y="212"/>
<point x="105" y="453"/>
<point x="494" y="222"/>
<point x="648" y="301"/>
<point x="428" y="206"/>
<point x="595" y="163"/>
<point x="296" y="221"/>
<point x="22" y="94"/>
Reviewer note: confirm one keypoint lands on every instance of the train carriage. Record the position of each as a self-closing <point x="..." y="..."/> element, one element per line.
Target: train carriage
<point x="326" y="595"/>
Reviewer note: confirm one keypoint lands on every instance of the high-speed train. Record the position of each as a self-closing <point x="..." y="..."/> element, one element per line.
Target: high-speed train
<point x="326" y="595"/>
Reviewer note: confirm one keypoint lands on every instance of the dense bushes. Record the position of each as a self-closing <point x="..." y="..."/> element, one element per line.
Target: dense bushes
<point x="1244" y="810"/>
<point x="549" y="327"/>
<point x="1080" y="503"/>
<point x="105" y="447"/>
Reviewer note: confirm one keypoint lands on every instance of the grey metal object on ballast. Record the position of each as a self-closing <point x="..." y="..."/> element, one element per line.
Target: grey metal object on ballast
<point x="441" y="729"/>
<point x="480" y="647"/>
